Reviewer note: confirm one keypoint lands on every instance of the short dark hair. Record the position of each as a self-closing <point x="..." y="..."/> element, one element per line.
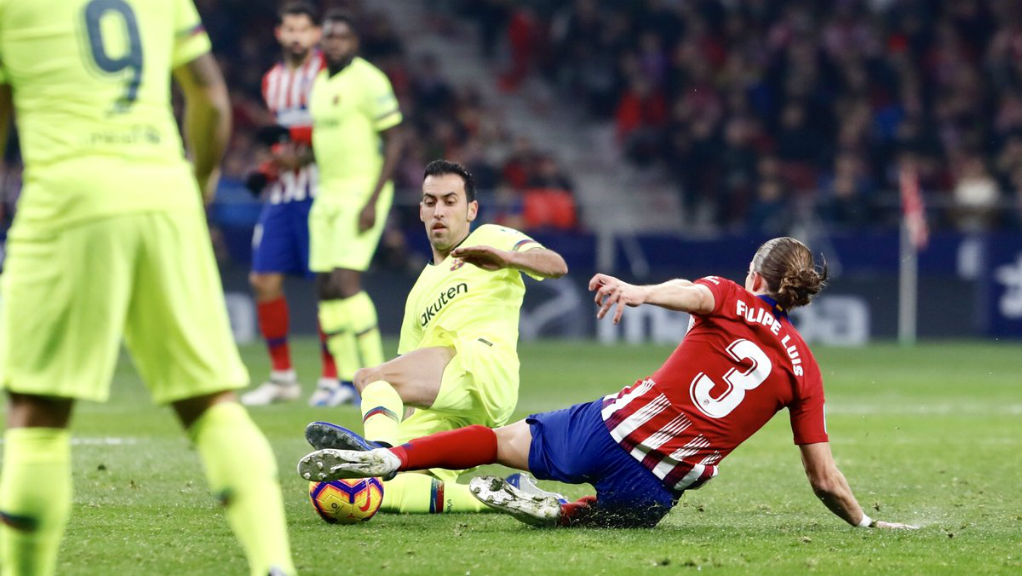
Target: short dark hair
<point x="340" y="15"/>
<point x="298" y="8"/>
<point x="442" y="167"/>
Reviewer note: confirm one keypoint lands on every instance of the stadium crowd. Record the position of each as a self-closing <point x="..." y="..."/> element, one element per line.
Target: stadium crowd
<point x="761" y="112"/>
<point x="444" y="120"/>
<point x="762" y="108"/>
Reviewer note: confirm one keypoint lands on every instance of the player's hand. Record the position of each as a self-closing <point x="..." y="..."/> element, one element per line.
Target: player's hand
<point x="894" y="525"/>
<point x="367" y="217"/>
<point x="260" y="178"/>
<point x="610" y="291"/>
<point x="208" y="185"/>
<point x="486" y="257"/>
<point x="287" y="156"/>
<point x="255" y="182"/>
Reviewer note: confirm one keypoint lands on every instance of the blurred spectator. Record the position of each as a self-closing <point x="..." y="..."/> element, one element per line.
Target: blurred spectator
<point x="548" y="201"/>
<point x="822" y="79"/>
<point x="846" y="200"/>
<point x="640" y="119"/>
<point x="976" y="196"/>
<point x="524" y="45"/>
<point x="770" y="214"/>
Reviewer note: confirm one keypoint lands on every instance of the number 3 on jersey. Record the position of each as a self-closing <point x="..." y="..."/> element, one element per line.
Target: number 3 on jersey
<point x="738" y="383"/>
<point x="130" y="58"/>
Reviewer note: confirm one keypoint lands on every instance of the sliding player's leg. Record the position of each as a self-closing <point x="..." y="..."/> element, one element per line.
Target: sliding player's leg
<point x="413" y="380"/>
<point x="574" y="446"/>
<point x="452" y="450"/>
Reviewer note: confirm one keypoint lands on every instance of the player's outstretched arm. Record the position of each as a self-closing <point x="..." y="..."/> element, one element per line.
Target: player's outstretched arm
<point x="681" y="295"/>
<point x="537" y="262"/>
<point x="207" y="118"/>
<point x="831" y="488"/>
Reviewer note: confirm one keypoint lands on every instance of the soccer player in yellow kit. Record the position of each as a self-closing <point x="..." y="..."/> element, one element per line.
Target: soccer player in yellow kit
<point x="357" y="142"/>
<point x="458" y="363"/>
<point x="110" y="238"/>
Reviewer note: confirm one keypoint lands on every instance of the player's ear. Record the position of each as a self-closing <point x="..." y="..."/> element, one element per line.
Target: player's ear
<point x="759" y="283"/>
<point x="471" y="211"/>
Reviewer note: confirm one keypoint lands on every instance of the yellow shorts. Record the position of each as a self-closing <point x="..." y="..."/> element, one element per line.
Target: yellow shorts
<point x="334" y="237"/>
<point x="479" y="386"/>
<point x="68" y="297"/>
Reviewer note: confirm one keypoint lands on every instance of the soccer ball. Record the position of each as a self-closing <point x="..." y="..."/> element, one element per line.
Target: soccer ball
<point x="346" y="501"/>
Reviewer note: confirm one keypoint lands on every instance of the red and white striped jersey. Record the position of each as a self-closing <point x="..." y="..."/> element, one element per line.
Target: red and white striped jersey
<point x="735" y="368"/>
<point x="286" y="92"/>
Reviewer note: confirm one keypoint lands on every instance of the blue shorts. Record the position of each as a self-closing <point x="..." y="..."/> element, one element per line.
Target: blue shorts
<point x="573" y="445"/>
<point x="280" y="242"/>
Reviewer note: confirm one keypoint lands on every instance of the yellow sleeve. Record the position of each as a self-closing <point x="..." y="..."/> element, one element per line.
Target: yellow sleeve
<point x="504" y="238"/>
<point x="190" y="39"/>
<point x="382" y="105"/>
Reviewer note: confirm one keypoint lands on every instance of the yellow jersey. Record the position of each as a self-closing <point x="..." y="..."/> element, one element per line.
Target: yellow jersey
<point x="466" y="300"/>
<point x="91" y="85"/>
<point x="349" y="110"/>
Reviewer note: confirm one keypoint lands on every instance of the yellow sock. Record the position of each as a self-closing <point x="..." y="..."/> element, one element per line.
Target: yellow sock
<point x="35" y="499"/>
<point x="414" y="493"/>
<point x="242" y="472"/>
<point x="341" y="340"/>
<point x="382" y="410"/>
<point x="362" y="316"/>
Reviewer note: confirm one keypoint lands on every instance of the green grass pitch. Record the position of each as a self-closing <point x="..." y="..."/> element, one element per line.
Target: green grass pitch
<point x="929" y="435"/>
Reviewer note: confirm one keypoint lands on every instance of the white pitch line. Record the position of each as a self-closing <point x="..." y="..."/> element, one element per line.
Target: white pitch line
<point x="103" y="441"/>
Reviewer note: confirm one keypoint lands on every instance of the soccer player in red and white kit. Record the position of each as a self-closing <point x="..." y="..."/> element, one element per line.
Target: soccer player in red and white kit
<point x="288" y="183"/>
<point x="740" y="362"/>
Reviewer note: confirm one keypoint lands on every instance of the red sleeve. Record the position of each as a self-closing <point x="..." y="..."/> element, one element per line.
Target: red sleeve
<point x="301" y="135"/>
<point x="722" y="289"/>
<point x="807" y="411"/>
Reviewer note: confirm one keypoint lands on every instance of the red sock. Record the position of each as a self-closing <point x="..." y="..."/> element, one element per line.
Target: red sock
<point x="273" y="318"/>
<point x="328" y="368"/>
<point x="577" y="512"/>
<point x="454" y="449"/>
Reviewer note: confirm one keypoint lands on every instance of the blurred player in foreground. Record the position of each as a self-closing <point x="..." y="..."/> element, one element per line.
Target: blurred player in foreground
<point x="110" y="238"/>
<point x="357" y="141"/>
<point x="458" y="364"/>
<point x="740" y="363"/>
<point x="288" y="182"/>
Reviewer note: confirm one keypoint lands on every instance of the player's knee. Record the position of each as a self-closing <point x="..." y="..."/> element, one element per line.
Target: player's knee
<point x="327" y="288"/>
<point x="363" y="377"/>
<point x="265" y="286"/>
<point x="29" y="410"/>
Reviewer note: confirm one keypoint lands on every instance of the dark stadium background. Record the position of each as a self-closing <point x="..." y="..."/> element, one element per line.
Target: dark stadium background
<point x="663" y="138"/>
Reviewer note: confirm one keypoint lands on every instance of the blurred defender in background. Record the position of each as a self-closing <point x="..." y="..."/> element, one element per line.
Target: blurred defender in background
<point x="110" y="238"/>
<point x="357" y="141"/>
<point x="288" y="182"/>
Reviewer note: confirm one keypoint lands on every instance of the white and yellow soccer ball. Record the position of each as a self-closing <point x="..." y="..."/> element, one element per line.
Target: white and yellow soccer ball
<point x="347" y="501"/>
